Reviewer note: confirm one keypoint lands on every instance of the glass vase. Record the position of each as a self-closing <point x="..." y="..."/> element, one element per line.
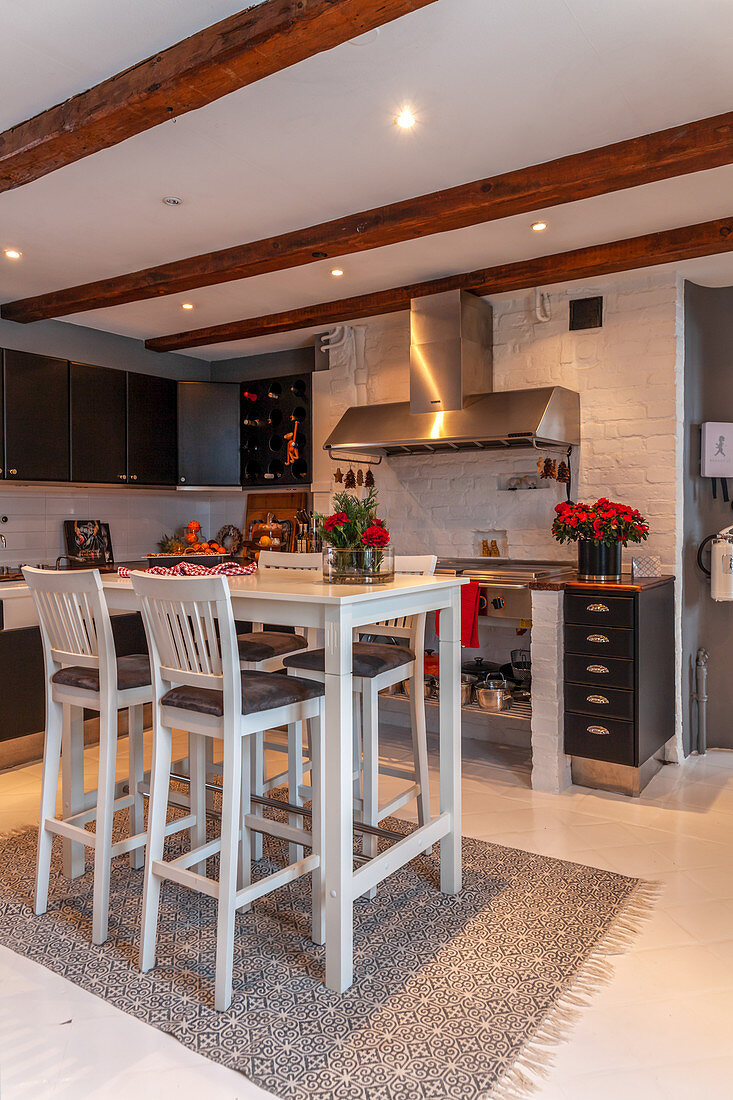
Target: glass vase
<point x="359" y="566"/>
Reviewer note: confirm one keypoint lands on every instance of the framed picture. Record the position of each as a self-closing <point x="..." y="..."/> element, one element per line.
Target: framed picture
<point x="88" y="539"/>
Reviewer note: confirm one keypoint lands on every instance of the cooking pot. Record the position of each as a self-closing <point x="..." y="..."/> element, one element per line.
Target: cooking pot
<point x="479" y="668"/>
<point x="493" y="695"/>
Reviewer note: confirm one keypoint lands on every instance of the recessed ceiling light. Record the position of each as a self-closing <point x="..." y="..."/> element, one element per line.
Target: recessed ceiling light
<point x="539" y="227"/>
<point x="405" y="119"/>
<point x="13" y="253"/>
<point x="337" y="272"/>
<point x="171" y="200"/>
<point x="187" y="305"/>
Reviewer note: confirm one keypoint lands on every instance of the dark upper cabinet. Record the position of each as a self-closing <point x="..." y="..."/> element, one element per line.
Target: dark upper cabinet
<point x="36" y="417"/>
<point x="152" y="437"/>
<point x="98" y="435"/>
<point x="208" y="433"/>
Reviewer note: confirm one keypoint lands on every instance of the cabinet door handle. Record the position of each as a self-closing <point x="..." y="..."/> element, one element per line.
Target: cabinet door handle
<point x="182" y="480"/>
<point x="598" y="731"/>
<point x="133" y="477"/>
<point x="599" y="638"/>
<point x="122" y="477"/>
<point x="601" y="670"/>
<point x="597" y="607"/>
<point x="600" y="699"/>
<point x="13" y="471"/>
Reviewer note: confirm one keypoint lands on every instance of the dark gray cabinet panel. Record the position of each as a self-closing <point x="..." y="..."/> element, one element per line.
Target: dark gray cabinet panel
<point x="36" y="403"/>
<point x="208" y="433"/>
<point x="152" y="435"/>
<point x="98" y="416"/>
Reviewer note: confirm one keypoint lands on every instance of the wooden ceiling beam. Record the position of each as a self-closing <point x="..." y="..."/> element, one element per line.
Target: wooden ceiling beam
<point x="239" y="50"/>
<point x="668" y="246"/>
<point x="693" y="147"/>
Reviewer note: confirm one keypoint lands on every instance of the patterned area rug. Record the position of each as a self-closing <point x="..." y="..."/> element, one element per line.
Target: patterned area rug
<point x="453" y="996"/>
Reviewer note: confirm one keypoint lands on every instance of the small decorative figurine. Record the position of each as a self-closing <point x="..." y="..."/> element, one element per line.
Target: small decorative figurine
<point x="369" y="479"/>
<point x="350" y="479"/>
<point x="360" y="476"/>
<point x="563" y="471"/>
<point x="540" y="466"/>
<point x="291" y="449"/>
<point x="549" y="470"/>
<point x="338" y="477"/>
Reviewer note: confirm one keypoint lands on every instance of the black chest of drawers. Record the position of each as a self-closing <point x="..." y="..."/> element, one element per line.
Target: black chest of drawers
<point x="619" y="671"/>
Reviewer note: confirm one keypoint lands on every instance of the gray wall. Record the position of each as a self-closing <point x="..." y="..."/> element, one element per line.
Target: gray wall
<point x="708" y="396"/>
<point x="100" y="349"/>
<point x="273" y="365"/>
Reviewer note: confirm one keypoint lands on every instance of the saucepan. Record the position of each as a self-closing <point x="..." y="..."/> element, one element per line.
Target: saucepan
<point x="493" y="695"/>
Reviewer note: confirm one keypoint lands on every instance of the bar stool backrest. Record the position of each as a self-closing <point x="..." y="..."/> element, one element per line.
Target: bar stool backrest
<point x="74" y="620"/>
<point x="191" y="634"/>
<point x="277" y="559"/>
<point x="411" y="627"/>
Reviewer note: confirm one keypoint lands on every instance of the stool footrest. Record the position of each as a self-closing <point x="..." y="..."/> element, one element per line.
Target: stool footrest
<point x="273" y="882"/>
<point x="71" y="832"/>
<point x="399" y="800"/>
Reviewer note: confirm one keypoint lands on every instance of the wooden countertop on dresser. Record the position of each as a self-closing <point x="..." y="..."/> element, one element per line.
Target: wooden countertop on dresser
<point x="570" y="580"/>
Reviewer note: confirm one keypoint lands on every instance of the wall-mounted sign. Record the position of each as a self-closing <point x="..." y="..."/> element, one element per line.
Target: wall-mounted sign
<point x="716" y="450"/>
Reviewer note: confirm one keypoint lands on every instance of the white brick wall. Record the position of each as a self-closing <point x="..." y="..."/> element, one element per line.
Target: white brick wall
<point x="550" y="765"/>
<point x="627" y="375"/>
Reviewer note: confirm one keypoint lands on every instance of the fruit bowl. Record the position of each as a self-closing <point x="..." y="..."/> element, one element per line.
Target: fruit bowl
<point x="169" y="560"/>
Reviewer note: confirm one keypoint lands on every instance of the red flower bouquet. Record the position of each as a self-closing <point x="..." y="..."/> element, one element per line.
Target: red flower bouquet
<point x="604" y="522"/>
<point x="356" y="547"/>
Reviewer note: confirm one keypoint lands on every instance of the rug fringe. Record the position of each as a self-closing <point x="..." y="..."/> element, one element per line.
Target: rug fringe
<point x="532" y="1067"/>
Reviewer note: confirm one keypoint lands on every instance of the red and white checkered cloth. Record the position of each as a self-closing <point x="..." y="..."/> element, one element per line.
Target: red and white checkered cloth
<point x="191" y="569"/>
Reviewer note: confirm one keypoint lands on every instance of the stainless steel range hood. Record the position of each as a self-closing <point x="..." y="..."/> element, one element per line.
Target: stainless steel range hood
<point x="450" y="408"/>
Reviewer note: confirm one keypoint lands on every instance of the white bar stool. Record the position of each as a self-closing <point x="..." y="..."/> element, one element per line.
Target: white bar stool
<point x="197" y="681"/>
<point x="83" y="671"/>
<point x="376" y="666"/>
<point x="263" y="651"/>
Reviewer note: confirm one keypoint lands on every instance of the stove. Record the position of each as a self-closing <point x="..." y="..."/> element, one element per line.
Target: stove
<point x="505" y="592"/>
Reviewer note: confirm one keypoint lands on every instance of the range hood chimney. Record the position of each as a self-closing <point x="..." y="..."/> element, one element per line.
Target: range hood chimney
<point x="452" y="405"/>
<point x="450" y="350"/>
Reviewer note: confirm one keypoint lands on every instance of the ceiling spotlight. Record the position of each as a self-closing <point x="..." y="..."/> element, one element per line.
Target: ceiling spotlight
<point x="187" y="305"/>
<point x="337" y="272"/>
<point x="405" y="119"/>
<point x="539" y="227"/>
<point x="171" y="200"/>
<point x="12" y="254"/>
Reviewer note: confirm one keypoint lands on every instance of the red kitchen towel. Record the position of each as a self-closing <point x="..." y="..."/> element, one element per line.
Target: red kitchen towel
<point x="192" y="569"/>
<point x="469" y="616"/>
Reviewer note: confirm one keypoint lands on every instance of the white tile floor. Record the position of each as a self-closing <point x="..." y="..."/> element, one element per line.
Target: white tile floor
<point x="662" y="1029"/>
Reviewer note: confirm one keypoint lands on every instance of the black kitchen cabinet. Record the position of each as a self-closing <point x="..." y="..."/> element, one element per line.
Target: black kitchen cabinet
<point x="98" y="424"/>
<point x="152" y="433"/>
<point x="208" y="433"/>
<point x="36" y="409"/>
<point x="619" y="672"/>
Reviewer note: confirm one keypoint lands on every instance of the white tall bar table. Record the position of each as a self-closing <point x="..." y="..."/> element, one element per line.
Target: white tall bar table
<point x="285" y="598"/>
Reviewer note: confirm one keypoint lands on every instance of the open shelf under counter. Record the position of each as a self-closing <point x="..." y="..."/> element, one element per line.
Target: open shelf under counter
<point x="513" y="727"/>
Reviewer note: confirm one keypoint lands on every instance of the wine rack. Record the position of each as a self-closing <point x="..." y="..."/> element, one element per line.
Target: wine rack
<point x="276" y="424"/>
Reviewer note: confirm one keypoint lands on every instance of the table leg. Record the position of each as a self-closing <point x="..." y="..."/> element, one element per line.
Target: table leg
<point x="450" y="743"/>
<point x="72" y="785"/>
<point x="338" y="798"/>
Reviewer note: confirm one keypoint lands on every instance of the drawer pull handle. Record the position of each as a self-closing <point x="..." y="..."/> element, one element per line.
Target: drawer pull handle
<point x="597" y="607"/>
<point x="601" y="670"/>
<point x="600" y="699"/>
<point x="599" y="638"/>
<point x="599" y="731"/>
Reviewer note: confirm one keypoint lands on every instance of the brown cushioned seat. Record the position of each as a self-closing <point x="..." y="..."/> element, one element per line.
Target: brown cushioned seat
<point x="263" y="644"/>
<point x="369" y="658"/>
<point x="132" y="672"/>
<point x="260" y="691"/>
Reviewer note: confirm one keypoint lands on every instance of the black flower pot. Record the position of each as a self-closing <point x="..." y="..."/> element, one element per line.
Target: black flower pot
<point x="598" y="562"/>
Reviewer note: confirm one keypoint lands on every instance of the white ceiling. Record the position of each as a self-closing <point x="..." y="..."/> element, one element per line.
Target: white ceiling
<point x="495" y="85"/>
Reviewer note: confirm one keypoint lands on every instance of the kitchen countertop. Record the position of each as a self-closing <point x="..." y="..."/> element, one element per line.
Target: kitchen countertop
<point x="570" y="580"/>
